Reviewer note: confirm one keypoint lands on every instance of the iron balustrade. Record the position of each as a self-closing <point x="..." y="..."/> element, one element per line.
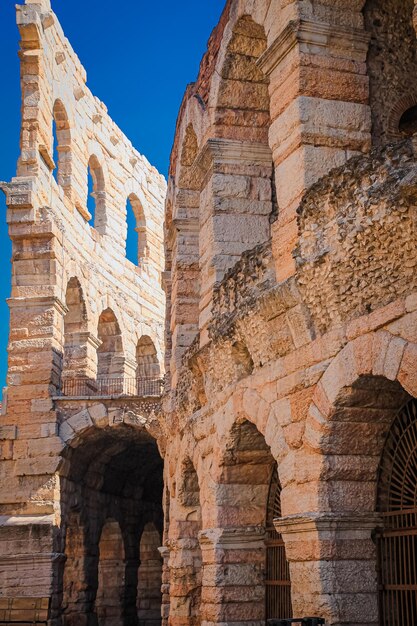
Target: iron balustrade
<point x="112" y="386"/>
<point x="305" y="621"/>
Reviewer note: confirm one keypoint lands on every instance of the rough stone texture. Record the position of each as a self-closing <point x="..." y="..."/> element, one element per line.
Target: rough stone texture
<point x="300" y="352"/>
<point x="81" y="314"/>
<point x="290" y="338"/>
<point x="391" y="60"/>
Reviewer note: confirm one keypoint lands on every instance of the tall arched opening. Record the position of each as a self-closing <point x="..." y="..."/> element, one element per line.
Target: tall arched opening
<point x="397" y="540"/>
<point x="76" y="362"/>
<point x="148" y="370"/>
<point x="61" y="151"/>
<point x="150" y="577"/>
<point x="113" y="479"/>
<point x="111" y="575"/>
<point x="137" y="249"/>
<point x="110" y="355"/>
<point x="249" y="499"/>
<point x="96" y="195"/>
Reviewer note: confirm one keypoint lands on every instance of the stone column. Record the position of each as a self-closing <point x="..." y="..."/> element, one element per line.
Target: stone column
<point x="185" y="289"/>
<point x="185" y="580"/>
<point x="164" y="552"/>
<point x="233" y="590"/>
<point x="319" y="112"/>
<point x="81" y="355"/>
<point x="235" y="206"/>
<point x="333" y="566"/>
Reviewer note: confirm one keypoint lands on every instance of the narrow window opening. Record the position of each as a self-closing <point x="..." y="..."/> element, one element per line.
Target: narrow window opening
<point x="136" y="240"/>
<point x="96" y="197"/>
<point x="55" y="153"/>
<point x="132" y="240"/>
<point x="91" y="202"/>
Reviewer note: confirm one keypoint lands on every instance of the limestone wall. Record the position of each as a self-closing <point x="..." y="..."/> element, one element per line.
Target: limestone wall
<point x="296" y="350"/>
<point x="75" y="296"/>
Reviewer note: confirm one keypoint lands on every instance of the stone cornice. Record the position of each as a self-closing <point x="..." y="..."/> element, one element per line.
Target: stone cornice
<point x="11" y="560"/>
<point x="310" y="33"/>
<point x="232" y="538"/>
<point x="327" y="522"/>
<point x="227" y="151"/>
<point x="26" y="520"/>
<point x="83" y="337"/>
<point x="38" y="301"/>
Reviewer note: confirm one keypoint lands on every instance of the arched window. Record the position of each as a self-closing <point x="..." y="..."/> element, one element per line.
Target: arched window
<point x="75" y="327"/>
<point x="96" y="198"/>
<point x="136" y="241"/>
<point x="147" y="359"/>
<point x="61" y="150"/>
<point x="110" y="359"/>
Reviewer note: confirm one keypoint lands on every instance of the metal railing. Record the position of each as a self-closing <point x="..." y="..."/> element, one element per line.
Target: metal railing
<point x="305" y="621"/>
<point x="112" y="386"/>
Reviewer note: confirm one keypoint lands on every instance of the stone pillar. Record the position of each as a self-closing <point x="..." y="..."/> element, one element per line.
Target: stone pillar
<point x="233" y="590"/>
<point x="319" y="112"/>
<point x="81" y="355"/>
<point x="235" y="206"/>
<point x="164" y="552"/>
<point x="333" y="566"/>
<point x="185" y="286"/>
<point x="185" y="580"/>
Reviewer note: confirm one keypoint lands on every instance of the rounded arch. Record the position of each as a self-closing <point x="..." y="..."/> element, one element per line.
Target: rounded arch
<point x="75" y="362"/>
<point x="248" y="500"/>
<point x="107" y="474"/>
<point x="139" y="242"/>
<point x="189" y="148"/>
<point x="133" y="187"/>
<point x="353" y="407"/>
<point x="62" y="146"/>
<point x="380" y="354"/>
<point x="240" y="93"/>
<point x="149" y="598"/>
<point x="97" y="192"/>
<point x="111" y="574"/>
<point x="147" y="362"/>
<point x="110" y="354"/>
<point x="397" y="126"/>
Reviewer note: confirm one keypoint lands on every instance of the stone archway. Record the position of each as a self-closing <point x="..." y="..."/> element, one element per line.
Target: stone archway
<point x="116" y="474"/>
<point x="353" y="407"/>
<point x="235" y="552"/>
<point x="397" y="537"/>
<point x="150" y="577"/>
<point x="111" y="575"/>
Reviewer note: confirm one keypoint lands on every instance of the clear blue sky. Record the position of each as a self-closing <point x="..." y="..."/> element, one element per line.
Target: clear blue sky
<point x="139" y="60"/>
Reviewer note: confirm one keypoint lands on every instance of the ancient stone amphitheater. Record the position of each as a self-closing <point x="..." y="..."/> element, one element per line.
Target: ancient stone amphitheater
<point x="224" y="432"/>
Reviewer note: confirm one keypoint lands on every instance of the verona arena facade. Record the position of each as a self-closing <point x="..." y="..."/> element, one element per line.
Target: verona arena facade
<point x="288" y="422"/>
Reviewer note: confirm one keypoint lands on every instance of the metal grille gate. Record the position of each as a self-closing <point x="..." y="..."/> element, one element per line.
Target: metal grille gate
<point x="397" y="540"/>
<point x="278" y="584"/>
